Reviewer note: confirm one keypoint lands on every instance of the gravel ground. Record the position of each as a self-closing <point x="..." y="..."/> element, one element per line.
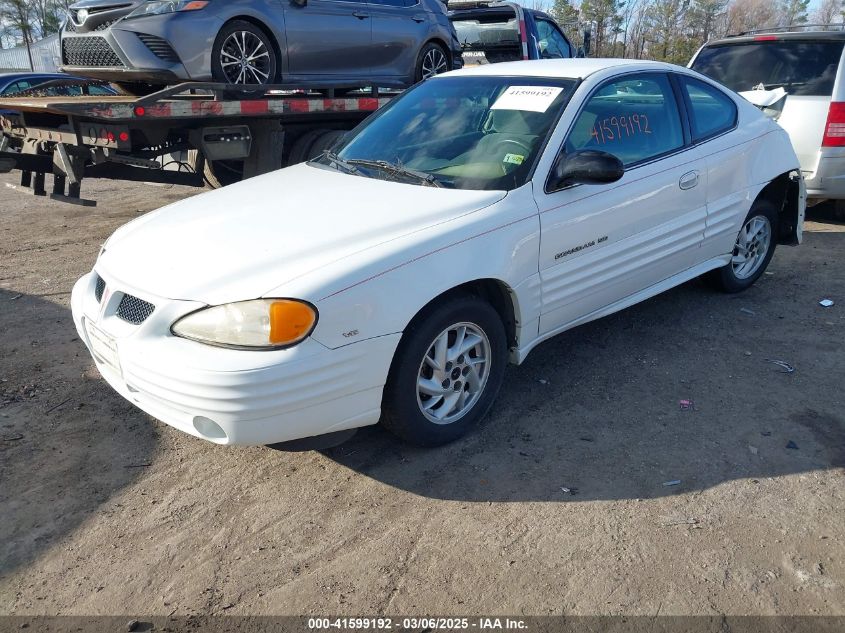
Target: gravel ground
<point x="556" y="504"/>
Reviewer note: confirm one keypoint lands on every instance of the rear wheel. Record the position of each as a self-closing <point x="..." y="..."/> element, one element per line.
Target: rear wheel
<point x="243" y="54"/>
<point x="431" y="61"/>
<point x="753" y="249"/>
<point x="446" y="373"/>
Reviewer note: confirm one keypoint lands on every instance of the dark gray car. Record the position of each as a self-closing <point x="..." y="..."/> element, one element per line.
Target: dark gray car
<point x="308" y="42"/>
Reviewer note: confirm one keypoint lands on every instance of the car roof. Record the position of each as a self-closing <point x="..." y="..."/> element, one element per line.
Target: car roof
<point x="759" y="36"/>
<point x="560" y="68"/>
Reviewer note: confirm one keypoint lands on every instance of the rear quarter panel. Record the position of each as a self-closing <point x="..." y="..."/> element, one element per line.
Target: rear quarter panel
<point x="740" y="164"/>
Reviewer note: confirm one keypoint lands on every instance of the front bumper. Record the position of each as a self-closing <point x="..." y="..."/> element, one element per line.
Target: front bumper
<point x="156" y="49"/>
<point x="232" y="396"/>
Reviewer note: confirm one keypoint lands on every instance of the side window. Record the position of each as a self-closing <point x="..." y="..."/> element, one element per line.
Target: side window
<point x="551" y="42"/>
<point x="711" y="111"/>
<point x="635" y="118"/>
<point x="18" y="86"/>
<point x="99" y="90"/>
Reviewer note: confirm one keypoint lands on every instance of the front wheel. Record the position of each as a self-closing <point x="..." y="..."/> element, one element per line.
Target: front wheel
<point x="446" y="373"/>
<point x="431" y="61"/>
<point x="753" y="249"/>
<point x="243" y="54"/>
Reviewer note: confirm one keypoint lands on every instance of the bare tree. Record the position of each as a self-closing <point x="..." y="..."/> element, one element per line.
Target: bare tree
<point x="828" y="12"/>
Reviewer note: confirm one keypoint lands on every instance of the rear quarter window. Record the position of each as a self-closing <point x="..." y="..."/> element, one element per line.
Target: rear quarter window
<point x="711" y="110"/>
<point x="801" y="67"/>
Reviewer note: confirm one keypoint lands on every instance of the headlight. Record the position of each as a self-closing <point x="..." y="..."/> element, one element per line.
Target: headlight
<point x="158" y="7"/>
<point x="259" y="324"/>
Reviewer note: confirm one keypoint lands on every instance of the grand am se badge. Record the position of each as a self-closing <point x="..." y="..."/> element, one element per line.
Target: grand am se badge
<point x="581" y="248"/>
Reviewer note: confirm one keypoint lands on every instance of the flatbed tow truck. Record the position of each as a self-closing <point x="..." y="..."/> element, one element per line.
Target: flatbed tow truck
<point x="190" y="134"/>
<point x="199" y="134"/>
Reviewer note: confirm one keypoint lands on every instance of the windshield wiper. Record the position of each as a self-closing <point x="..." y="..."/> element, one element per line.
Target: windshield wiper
<point x="396" y="170"/>
<point x="341" y="164"/>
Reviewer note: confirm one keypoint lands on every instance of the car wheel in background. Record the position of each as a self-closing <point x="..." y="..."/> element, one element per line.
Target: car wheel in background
<point x="243" y="54"/>
<point x="446" y="373"/>
<point x="753" y="250"/>
<point x="431" y="61"/>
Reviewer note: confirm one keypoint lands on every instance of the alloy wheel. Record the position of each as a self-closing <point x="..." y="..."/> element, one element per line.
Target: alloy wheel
<point x="245" y="59"/>
<point x="453" y="373"/>
<point x="751" y="247"/>
<point x="433" y="63"/>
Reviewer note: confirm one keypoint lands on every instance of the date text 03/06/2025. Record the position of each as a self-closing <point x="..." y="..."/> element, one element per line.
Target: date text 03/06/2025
<point x="417" y="623"/>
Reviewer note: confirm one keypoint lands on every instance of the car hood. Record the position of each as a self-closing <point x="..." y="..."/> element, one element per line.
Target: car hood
<point x="244" y="240"/>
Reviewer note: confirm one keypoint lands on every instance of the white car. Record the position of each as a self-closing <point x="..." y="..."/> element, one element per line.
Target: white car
<point x="470" y="219"/>
<point x="798" y="79"/>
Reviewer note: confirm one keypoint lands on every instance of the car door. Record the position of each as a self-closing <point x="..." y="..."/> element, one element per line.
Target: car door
<point x="329" y="37"/>
<point x="604" y="243"/>
<point x="400" y="27"/>
<point x="713" y="116"/>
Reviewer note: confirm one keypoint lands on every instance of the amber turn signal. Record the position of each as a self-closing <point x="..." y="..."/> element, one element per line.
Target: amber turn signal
<point x="290" y="321"/>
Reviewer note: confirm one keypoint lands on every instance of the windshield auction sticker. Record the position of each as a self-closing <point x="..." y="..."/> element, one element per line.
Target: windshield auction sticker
<point x="530" y="98"/>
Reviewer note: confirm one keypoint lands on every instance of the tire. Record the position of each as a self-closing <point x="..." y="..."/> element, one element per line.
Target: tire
<point x="431" y="61"/>
<point x="324" y="142"/>
<point x="217" y="173"/>
<point x="300" y="151"/>
<point x="237" y="42"/>
<point x="403" y="404"/>
<point x="740" y="274"/>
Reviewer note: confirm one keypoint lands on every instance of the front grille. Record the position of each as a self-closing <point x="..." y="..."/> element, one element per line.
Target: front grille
<point x="70" y="27"/>
<point x="89" y="52"/>
<point x="134" y="310"/>
<point x="159" y="47"/>
<point x="105" y="25"/>
<point x="99" y="289"/>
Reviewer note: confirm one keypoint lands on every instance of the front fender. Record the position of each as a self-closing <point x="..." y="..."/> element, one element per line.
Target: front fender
<point x="384" y="291"/>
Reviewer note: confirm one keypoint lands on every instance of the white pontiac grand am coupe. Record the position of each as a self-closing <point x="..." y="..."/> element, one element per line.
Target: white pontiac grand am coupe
<point x="471" y="218"/>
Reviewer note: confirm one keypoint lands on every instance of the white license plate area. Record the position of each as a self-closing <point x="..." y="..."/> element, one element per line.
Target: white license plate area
<point x="103" y="347"/>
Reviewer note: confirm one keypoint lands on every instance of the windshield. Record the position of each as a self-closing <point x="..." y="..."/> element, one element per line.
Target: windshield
<point x="458" y="132"/>
<point x="801" y="67"/>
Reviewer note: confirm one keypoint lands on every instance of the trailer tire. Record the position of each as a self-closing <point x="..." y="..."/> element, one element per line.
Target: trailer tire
<point x="216" y="173"/>
<point x="220" y="173"/>
<point x="324" y="142"/>
<point x="301" y="148"/>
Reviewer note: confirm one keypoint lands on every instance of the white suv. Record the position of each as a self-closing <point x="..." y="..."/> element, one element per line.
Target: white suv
<point x="807" y="66"/>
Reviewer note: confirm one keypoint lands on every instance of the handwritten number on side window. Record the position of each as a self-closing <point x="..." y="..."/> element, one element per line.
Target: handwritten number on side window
<point x="616" y="128"/>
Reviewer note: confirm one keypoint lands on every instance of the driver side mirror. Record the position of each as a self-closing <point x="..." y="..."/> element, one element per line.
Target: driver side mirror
<point x="585" y="167"/>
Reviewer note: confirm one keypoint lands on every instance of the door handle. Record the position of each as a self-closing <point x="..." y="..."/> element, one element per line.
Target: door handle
<point x="688" y="180"/>
<point x="361" y="16"/>
<point x="418" y="19"/>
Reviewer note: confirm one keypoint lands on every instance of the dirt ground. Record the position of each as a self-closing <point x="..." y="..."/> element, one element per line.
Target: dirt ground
<point x="104" y="510"/>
